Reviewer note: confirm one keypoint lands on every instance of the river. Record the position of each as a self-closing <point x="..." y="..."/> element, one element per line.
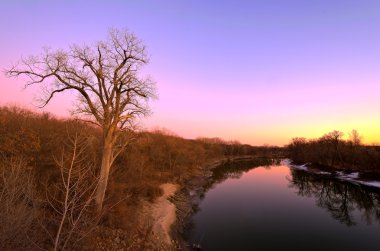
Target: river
<point x="276" y="207"/>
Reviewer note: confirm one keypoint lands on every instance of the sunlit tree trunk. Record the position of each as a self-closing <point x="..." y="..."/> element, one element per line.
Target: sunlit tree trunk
<point x="107" y="159"/>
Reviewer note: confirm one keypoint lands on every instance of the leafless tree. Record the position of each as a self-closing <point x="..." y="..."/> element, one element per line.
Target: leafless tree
<point x="106" y="77"/>
<point x="334" y="139"/>
<point x="71" y="198"/>
<point x="355" y="138"/>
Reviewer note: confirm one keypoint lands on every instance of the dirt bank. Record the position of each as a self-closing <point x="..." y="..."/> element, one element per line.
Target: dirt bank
<point x="163" y="213"/>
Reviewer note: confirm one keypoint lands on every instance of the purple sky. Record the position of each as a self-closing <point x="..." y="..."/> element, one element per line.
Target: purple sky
<point x="256" y="71"/>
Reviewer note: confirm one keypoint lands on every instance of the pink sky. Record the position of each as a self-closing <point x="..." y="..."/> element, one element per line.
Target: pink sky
<point x="260" y="73"/>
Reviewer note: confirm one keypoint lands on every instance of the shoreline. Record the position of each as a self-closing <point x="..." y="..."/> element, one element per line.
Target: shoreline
<point x="172" y="212"/>
<point x="347" y="175"/>
<point x="188" y="197"/>
<point x="163" y="213"/>
<point x="190" y="194"/>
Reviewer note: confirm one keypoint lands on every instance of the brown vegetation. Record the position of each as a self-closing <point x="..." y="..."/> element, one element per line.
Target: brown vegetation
<point x="17" y="198"/>
<point x="48" y="175"/>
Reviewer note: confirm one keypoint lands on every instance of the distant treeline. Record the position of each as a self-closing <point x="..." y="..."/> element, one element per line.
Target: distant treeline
<point x="331" y="150"/>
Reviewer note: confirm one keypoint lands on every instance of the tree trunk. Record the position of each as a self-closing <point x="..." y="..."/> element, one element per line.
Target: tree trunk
<point x="104" y="172"/>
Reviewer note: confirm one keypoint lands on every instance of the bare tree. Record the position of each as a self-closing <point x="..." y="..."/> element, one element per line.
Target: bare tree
<point x="71" y="198"/>
<point x="334" y="139"/>
<point x="111" y="93"/>
<point x="355" y="140"/>
<point x="355" y="137"/>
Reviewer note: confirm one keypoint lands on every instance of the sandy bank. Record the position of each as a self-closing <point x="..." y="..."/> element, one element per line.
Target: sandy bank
<point x="163" y="212"/>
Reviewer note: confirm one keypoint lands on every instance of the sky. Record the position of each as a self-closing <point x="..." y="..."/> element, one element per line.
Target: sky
<point x="257" y="71"/>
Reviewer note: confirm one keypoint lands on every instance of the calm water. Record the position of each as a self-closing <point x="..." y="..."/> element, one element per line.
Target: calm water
<point x="278" y="208"/>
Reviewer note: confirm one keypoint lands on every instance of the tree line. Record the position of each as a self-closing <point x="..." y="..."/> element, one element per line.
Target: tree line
<point x="331" y="150"/>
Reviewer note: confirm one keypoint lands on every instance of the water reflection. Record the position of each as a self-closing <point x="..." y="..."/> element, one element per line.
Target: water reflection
<point x="265" y="206"/>
<point x="340" y="199"/>
<point x="236" y="169"/>
<point x="228" y="170"/>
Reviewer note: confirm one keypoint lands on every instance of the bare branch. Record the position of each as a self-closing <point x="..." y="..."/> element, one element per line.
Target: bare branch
<point x="111" y="93"/>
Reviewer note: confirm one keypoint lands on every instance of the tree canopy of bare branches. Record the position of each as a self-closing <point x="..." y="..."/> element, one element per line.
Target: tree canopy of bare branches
<point x="106" y="78"/>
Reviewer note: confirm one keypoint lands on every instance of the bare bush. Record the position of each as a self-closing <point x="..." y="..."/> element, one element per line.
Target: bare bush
<point x="71" y="199"/>
<point x="17" y="207"/>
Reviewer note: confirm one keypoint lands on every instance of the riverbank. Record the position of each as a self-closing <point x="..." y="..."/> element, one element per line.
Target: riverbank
<point x="191" y="193"/>
<point x="160" y="223"/>
<point x="275" y="207"/>
<point x="180" y="202"/>
<point x="188" y="196"/>
<point x="163" y="213"/>
<point x="369" y="179"/>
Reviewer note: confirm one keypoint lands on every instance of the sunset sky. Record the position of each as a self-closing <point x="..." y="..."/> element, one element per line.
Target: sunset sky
<point x="261" y="72"/>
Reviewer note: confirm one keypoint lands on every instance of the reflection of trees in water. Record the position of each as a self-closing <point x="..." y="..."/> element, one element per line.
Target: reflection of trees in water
<point x="233" y="169"/>
<point x="339" y="198"/>
<point x="237" y="169"/>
